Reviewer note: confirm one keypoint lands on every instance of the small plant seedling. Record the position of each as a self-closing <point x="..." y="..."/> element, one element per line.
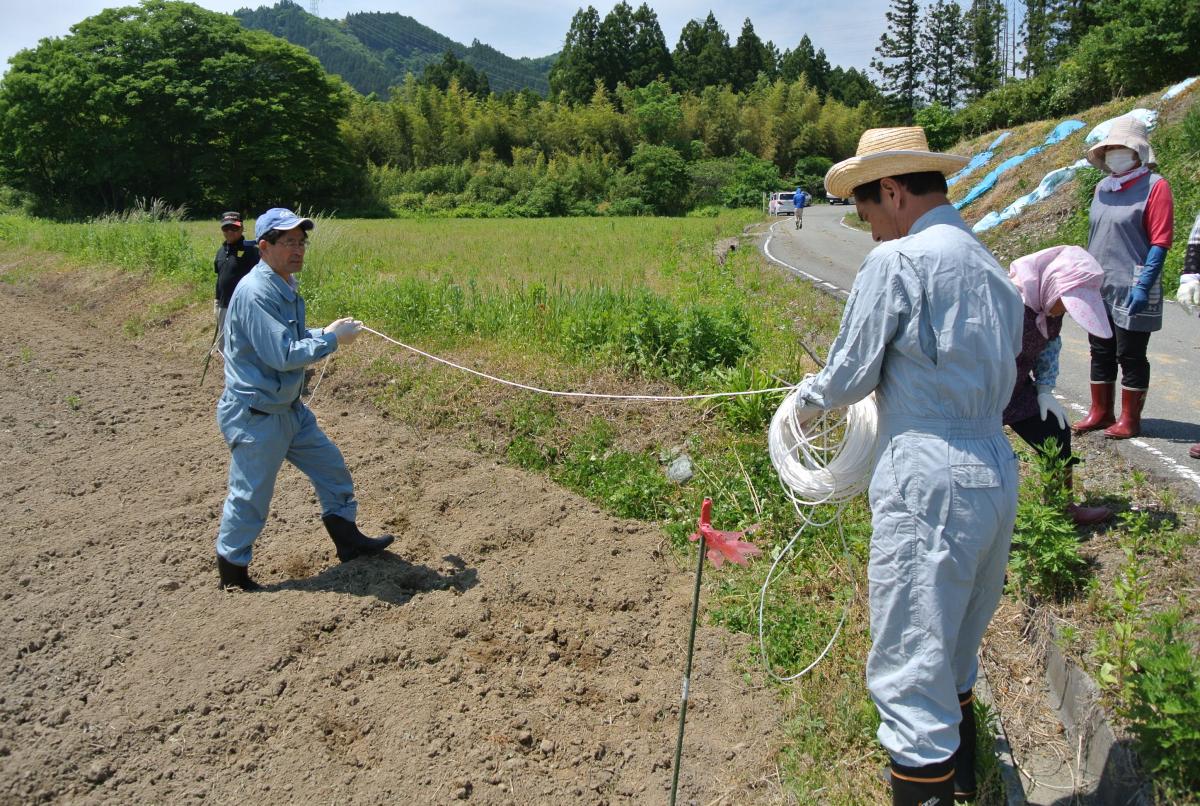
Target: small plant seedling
<point x="74" y="402"/>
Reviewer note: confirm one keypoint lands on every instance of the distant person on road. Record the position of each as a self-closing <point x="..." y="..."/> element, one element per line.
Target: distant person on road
<point x="1130" y="231"/>
<point x="1053" y="282"/>
<point x="235" y="258"/>
<point x="800" y="201"/>
<point x="1189" y="290"/>
<point x="260" y="413"/>
<point x="933" y="326"/>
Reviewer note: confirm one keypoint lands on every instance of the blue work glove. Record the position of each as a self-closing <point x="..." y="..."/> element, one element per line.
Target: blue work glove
<point x="1139" y="298"/>
<point x="1139" y="295"/>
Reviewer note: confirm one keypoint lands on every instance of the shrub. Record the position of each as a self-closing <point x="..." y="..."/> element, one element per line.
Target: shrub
<point x="1164" y="707"/>
<point x="941" y="126"/>
<point x="662" y="178"/>
<point x="1045" y="559"/>
<point x="810" y="174"/>
<point x="750" y="178"/>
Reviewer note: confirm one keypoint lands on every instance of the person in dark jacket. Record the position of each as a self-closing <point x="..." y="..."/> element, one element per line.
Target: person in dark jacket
<point x="235" y="258"/>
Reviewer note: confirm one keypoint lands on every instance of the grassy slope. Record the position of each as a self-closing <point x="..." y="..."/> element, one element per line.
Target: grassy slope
<point x="1057" y="219"/>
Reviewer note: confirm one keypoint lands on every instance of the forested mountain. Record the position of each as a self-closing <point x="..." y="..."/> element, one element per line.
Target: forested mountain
<point x="373" y="51"/>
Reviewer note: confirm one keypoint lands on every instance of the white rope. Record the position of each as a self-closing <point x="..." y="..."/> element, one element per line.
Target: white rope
<point x="817" y="467"/>
<point x="814" y="466"/>
<point x="826" y="463"/>
<point x="591" y="395"/>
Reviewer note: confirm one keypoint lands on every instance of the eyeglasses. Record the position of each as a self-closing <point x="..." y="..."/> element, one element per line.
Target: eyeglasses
<point x="292" y="245"/>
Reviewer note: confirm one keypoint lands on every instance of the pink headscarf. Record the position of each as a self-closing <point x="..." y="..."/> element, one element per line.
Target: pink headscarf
<point x="1068" y="273"/>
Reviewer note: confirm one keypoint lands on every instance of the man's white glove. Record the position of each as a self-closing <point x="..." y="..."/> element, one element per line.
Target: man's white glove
<point x="805" y="412"/>
<point x="1048" y="404"/>
<point x="346" y="330"/>
<point x="1189" y="292"/>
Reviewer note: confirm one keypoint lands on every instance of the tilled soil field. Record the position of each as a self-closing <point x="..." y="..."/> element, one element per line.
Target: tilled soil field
<point x="515" y="645"/>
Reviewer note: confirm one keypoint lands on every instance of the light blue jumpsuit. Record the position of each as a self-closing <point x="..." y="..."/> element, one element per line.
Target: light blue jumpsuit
<point x="933" y="326"/>
<point x="260" y="414"/>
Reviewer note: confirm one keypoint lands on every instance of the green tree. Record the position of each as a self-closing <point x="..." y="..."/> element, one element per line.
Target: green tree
<point x="984" y="23"/>
<point x="151" y="101"/>
<point x="1142" y="44"/>
<point x="615" y="43"/>
<point x="940" y="125"/>
<point x="1038" y="37"/>
<point x="656" y="112"/>
<point x="579" y="63"/>
<point x="944" y="45"/>
<point x="750" y="57"/>
<point x="452" y="68"/>
<point x="702" y="58"/>
<point x="650" y="60"/>
<point x="1075" y="19"/>
<point x="899" y="59"/>
<point x="851" y="87"/>
<point x="808" y="62"/>
<point x="661" y="176"/>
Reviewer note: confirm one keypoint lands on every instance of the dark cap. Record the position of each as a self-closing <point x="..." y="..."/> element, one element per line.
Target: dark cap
<point x="231" y="219"/>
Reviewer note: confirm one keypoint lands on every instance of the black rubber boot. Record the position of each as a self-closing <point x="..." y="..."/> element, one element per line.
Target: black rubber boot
<point x="235" y="576"/>
<point x="350" y="542"/>
<point x="964" y="756"/>
<point x="931" y="785"/>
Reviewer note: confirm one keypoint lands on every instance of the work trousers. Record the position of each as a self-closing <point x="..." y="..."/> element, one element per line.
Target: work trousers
<point x="1126" y="348"/>
<point x="943" y="501"/>
<point x="258" y="445"/>
<point x="1035" y="431"/>
<point x="219" y="343"/>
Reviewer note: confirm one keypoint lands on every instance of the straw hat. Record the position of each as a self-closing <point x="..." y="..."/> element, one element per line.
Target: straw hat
<point x="1125" y="131"/>
<point x="888" y="152"/>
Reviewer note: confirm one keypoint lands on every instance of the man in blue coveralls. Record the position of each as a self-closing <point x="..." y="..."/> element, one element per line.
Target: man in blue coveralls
<point x="267" y="347"/>
<point x="933" y="327"/>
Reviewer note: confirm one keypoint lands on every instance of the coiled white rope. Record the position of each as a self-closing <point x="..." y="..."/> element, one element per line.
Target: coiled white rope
<point x="825" y="460"/>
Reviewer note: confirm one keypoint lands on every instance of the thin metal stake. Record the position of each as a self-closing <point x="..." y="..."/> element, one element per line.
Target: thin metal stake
<point x="687" y="675"/>
<point x="207" y="358"/>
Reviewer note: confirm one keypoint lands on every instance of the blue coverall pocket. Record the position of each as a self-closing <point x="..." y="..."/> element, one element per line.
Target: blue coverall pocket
<point x="238" y="426"/>
<point x="973" y="499"/>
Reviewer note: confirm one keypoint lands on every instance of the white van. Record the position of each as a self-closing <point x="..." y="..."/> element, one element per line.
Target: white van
<point x="780" y="203"/>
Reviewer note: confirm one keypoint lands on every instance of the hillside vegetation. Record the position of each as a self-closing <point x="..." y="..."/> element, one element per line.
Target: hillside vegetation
<point x="373" y="51"/>
<point x="1062" y="218"/>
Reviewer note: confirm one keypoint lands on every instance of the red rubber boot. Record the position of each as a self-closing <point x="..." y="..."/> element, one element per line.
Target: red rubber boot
<point x="1130" y="422"/>
<point x="1101" y="413"/>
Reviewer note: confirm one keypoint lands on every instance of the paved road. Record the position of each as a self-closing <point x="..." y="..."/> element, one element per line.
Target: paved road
<point x="828" y="253"/>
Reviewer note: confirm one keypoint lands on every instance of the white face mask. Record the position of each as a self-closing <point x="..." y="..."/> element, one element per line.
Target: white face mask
<point x="1120" y="160"/>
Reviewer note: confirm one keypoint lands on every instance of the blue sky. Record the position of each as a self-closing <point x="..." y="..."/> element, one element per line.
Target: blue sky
<point x="847" y="30"/>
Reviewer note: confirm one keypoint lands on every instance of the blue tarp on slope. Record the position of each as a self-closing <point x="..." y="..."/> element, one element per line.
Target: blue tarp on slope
<point x="1050" y="182"/>
<point x="1146" y="116"/>
<point x="1178" y="88"/>
<point x="1060" y="132"/>
<point x="978" y="161"/>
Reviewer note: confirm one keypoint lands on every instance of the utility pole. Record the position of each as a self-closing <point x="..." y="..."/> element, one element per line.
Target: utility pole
<point x="314" y="7"/>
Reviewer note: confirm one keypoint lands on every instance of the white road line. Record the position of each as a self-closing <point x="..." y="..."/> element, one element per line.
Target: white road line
<point x="812" y="278"/>
<point x="1181" y="470"/>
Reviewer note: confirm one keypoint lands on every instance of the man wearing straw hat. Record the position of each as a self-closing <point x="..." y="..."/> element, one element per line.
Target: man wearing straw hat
<point x="1130" y="227"/>
<point x="933" y="327"/>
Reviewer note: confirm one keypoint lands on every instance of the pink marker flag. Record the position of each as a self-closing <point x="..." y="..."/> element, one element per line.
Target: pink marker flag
<point x="722" y="546"/>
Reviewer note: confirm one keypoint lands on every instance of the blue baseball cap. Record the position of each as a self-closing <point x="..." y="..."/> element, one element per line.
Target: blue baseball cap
<point x="279" y="218"/>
